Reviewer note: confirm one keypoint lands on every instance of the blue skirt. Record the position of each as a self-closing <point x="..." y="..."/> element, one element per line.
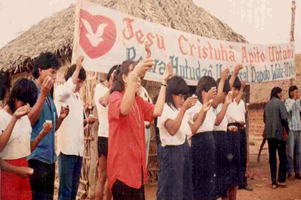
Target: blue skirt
<point x="175" y="175"/>
<point x="234" y="159"/>
<point x="203" y="153"/>
<point x="222" y="163"/>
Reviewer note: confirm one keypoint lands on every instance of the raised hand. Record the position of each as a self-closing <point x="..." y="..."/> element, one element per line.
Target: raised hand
<point x="225" y="74"/>
<point x="211" y="94"/>
<point x="143" y="67"/>
<point x="22" y="111"/>
<point x="47" y="127"/>
<point x="46" y="86"/>
<point x="207" y="105"/>
<point x="79" y="62"/>
<point x="190" y="102"/>
<point x="237" y="68"/>
<point x="168" y="72"/>
<point x="64" y="112"/>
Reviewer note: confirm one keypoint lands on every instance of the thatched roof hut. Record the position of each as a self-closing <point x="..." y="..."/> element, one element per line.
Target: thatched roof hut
<point x="55" y="34"/>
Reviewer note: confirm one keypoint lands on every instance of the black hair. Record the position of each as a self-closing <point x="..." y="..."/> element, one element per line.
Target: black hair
<point x="45" y="61"/>
<point x="226" y="88"/>
<point x="23" y="90"/>
<point x="82" y="73"/>
<point x="176" y="85"/>
<point x="118" y="84"/>
<point x="237" y="83"/>
<point x="291" y="89"/>
<point x="111" y="71"/>
<point x="204" y="84"/>
<point x="275" y="91"/>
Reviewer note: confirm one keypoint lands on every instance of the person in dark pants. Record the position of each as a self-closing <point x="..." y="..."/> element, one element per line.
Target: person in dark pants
<point x="275" y="118"/>
<point x="43" y="158"/>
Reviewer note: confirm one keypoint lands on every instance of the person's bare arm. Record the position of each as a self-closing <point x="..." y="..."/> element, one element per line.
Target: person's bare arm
<point x="47" y="127"/>
<point x="173" y="125"/>
<point x="38" y="106"/>
<point x="133" y="79"/>
<point x="220" y="116"/>
<point x="23" y="172"/>
<point x="162" y="94"/>
<point x="6" y="134"/>
<point x="200" y="117"/>
<point x="237" y="68"/>
<point x="218" y="99"/>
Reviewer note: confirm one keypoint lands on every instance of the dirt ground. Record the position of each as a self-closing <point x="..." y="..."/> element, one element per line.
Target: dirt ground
<point x="259" y="181"/>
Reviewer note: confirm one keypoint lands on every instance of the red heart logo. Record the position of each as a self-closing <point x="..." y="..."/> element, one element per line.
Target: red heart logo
<point x="97" y="34"/>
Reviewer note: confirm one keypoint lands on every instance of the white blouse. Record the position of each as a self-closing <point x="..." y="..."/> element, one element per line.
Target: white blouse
<point x="236" y="112"/>
<point x="165" y="137"/>
<point x="18" y="145"/>
<point x="208" y="124"/>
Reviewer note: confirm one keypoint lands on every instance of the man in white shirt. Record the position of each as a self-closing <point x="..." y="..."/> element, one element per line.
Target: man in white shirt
<point x="101" y="98"/>
<point x="71" y="132"/>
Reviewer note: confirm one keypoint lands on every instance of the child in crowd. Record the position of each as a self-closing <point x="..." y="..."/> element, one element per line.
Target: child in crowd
<point x="15" y="143"/>
<point x="175" y="177"/>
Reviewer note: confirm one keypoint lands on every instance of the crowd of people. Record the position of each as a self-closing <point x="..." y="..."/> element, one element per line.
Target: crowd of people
<point x="201" y="138"/>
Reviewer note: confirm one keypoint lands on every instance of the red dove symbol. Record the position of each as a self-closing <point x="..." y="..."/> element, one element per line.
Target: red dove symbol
<point x="97" y="34"/>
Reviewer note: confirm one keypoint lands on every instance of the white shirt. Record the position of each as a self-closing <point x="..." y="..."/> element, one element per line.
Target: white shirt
<point x="180" y="136"/>
<point x="236" y="112"/>
<point x="223" y="125"/>
<point x="18" y="145"/>
<point x="145" y="96"/>
<point x="102" y="112"/>
<point x="71" y="132"/>
<point x="209" y="121"/>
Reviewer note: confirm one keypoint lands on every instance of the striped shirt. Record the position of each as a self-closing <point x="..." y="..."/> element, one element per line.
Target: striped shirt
<point x="293" y="113"/>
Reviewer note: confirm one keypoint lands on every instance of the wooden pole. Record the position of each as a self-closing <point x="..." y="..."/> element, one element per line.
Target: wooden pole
<point x="293" y="21"/>
<point x="292" y="33"/>
<point x="76" y="32"/>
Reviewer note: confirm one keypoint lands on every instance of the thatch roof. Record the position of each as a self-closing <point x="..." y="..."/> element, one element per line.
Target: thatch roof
<point x="55" y="34"/>
<point x="260" y="92"/>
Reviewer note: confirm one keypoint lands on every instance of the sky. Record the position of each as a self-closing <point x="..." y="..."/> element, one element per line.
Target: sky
<point x="259" y="21"/>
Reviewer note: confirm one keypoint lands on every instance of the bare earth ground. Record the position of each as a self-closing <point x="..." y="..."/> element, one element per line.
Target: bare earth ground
<point x="260" y="181"/>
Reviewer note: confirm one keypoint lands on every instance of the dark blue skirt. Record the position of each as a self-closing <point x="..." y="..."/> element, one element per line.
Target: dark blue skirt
<point x="203" y="153"/>
<point x="234" y="159"/>
<point x="222" y="163"/>
<point x="175" y="175"/>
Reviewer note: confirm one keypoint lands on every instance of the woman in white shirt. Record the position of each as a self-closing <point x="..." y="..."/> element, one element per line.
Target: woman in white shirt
<point x="174" y="181"/>
<point x="15" y="144"/>
<point x="221" y="139"/>
<point x="202" y="142"/>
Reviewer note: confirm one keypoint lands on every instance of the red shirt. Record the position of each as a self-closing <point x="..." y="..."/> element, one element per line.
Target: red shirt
<point x="127" y="151"/>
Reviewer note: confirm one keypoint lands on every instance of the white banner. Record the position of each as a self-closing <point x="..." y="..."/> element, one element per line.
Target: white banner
<point x="107" y="37"/>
